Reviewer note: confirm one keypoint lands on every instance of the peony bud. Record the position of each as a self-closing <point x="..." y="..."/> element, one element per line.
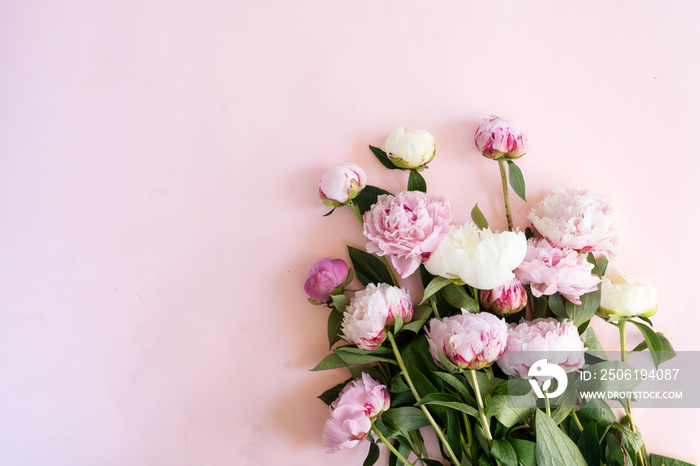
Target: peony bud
<point x="499" y="138"/>
<point x="325" y="276"/>
<point x="469" y="341"/>
<point x="413" y="149"/>
<point x="341" y="183"/>
<point x="625" y="296"/>
<point x="371" y="311"/>
<point x="505" y="299"/>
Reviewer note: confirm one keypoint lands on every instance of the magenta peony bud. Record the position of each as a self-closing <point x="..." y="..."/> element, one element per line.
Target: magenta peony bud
<point x="498" y="138"/>
<point x="341" y="183"/>
<point x="325" y="276"/>
<point x="469" y="341"/>
<point x="528" y="342"/>
<point x="360" y="402"/>
<point x="506" y="299"/>
<point x="371" y="311"/>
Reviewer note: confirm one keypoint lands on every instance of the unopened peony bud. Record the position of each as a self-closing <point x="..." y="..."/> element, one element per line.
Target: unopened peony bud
<point x="469" y="341"/>
<point x="412" y="149"/>
<point x="626" y="296"/>
<point x="341" y="183"/>
<point x="325" y="276"/>
<point x="506" y="299"/>
<point x="500" y="138"/>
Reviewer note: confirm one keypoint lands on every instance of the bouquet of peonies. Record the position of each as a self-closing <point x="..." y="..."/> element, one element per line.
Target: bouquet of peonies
<point x="520" y="299"/>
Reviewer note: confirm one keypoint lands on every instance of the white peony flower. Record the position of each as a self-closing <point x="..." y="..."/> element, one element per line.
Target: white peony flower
<point x="411" y="149"/>
<point x="480" y="258"/>
<point x="625" y="296"/>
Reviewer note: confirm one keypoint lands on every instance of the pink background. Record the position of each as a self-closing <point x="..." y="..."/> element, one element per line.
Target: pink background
<point x="158" y="213"/>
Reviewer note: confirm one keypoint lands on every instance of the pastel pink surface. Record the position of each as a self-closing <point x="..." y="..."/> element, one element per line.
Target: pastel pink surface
<point x="158" y="196"/>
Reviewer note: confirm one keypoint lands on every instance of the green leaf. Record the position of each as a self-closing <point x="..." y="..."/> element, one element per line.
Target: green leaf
<point x="517" y="182"/>
<point x="368" y="268"/>
<point x="592" y="344"/>
<point x="398" y="324"/>
<point x="335" y="319"/>
<point x="435" y="285"/>
<point x="632" y="441"/>
<point x="589" y="444"/>
<point x="409" y="417"/>
<point x="504" y="453"/>
<point x="525" y="450"/>
<point x="367" y="197"/>
<point x="665" y="355"/>
<point x="458" y="297"/>
<point x="554" y="448"/>
<point x="598" y="411"/>
<point x="330" y="395"/>
<point x="512" y="410"/>
<point x="578" y="313"/>
<point x="355" y="359"/>
<point x="332" y="361"/>
<point x="372" y="455"/>
<point x="652" y="340"/>
<point x="416" y="182"/>
<point x="340" y="302"/>
<point x="383" y="158"/>
<point x="421" y="314"/>
<point x="658" y="460"/>
<point x="331" y="211"/>
<point x="448" y="401"/>
<point x="455" y="382"/>
<point x="478" y="217"/>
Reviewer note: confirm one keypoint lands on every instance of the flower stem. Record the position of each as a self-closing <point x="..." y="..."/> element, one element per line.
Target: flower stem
<point x="480" y="405"/>
<point x="390" y="446"/>
<point x="576" y="420"/>
<point x="391" y="272"/>
<point x="506" y="197"/>
<point x="409" y="382"/>
<point x="356" y="211"/>
<point x="435" y="311"/>
<point x="546" y="404"/>
<point x="623" y="357"/>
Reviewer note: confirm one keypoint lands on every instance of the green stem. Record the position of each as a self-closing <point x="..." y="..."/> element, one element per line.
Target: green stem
<point x="546" y="403"/>
<point x="356" y="211"/>
<point x="480" y="405"/>
<point x="391" y="273"/>
<point x="576" y="420"/>
<point x="435" y="311"/>
<point x="390" y="446"/>
<point x="409" y="382"/>
<point x="506" y="197"/>
<point x="468" y="428"/>
<point x="623" y="357"/>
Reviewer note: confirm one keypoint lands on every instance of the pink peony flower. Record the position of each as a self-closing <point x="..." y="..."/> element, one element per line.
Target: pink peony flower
<point x="407" y="227"/>
<point x="548" y="269"/>
<point x="371" y="311"/>
<point x="580" y="220"/>
<point x="498" y="137"/>
<point x="530" y="341"/>
<point x="325" y="276"/>
<point x="341" y="183"/>
<point x="505" y="299"/>
<point x="360" y="402"/>
<point x="469" y="341"/>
